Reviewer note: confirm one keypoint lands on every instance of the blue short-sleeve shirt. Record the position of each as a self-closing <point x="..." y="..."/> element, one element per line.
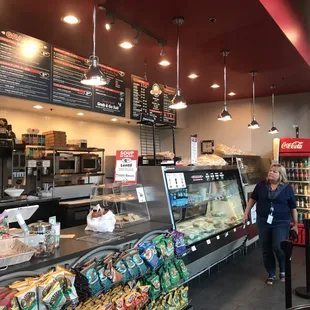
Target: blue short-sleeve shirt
<point x="282" y="204"/>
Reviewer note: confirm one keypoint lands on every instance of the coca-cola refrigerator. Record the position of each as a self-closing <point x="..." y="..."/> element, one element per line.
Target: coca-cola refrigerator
<point x="294" y="155"/>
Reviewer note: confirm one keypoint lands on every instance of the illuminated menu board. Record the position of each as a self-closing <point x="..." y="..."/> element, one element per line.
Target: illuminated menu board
<point x="151" y="99"/>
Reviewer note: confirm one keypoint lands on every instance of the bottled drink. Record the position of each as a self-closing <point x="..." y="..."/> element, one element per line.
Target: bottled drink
<point x="297" y="202"/>
<point x="306" y="163"/>
<point x="300" y="190"/>
<point x="306" y="175"/>
<point x="300" y="163"/>
<point x="302" y="203"/>
<point x="296" y="187"/>
<point x="306" y="202"/>
<point x="305" y="189"/>
<point x="296" y="164"/>
<point x="288" y="174"/>
<point x="292" y="164"/>
<point x="297" y="174"/>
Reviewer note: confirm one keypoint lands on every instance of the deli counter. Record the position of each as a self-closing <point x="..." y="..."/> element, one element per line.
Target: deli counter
<point x="204" y="203"/>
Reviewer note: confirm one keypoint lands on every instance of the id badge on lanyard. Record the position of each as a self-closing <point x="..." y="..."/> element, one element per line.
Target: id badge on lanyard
<point x="270" y="216"/>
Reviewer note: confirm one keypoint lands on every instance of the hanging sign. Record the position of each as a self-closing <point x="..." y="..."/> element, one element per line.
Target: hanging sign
<point x="126" y="166"/>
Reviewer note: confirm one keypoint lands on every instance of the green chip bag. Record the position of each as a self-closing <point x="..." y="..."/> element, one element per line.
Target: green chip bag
<point x="174" y="274"/>
<point x="181" y="267"/>
<point x="169" y="247"/>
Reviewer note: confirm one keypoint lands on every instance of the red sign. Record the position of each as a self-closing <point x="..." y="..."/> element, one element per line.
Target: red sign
<point x="294" y="145"/>
<point x="126" y="166"/>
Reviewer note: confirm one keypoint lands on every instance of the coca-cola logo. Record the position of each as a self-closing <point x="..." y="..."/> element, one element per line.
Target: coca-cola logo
<point x="296" y="145"/>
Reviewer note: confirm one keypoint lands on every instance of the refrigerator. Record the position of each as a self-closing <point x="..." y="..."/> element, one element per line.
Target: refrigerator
<point x="294" y="155"/>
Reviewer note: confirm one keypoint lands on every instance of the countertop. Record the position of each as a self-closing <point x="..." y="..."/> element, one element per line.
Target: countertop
<point x="24" y="202"/>
<point x="72" y="248"/>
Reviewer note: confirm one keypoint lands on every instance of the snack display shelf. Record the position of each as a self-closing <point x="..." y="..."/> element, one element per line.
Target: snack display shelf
<point x="300" y="195"/>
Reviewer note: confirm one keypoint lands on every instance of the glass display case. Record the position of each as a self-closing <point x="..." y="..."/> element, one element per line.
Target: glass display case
<point x="204" y="201"/>
<point x="126" y="201"/>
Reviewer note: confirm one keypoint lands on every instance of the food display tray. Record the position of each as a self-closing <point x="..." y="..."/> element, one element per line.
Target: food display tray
<point x="23" y="252"/>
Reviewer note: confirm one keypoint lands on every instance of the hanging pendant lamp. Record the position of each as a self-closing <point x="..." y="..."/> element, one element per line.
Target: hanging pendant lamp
<point x="224" y="115"/>
<point x="254" y="124"/>
<point x="273" y="130"/>
<point x="178" y="102"/>
<point x="93" y="75"/>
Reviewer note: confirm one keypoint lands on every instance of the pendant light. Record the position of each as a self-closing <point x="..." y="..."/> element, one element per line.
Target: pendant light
<point x="178" y="101"/>
<point x="224" y="115"/>
<point x="93" y="75"/>
<point x="254" y="124"/>
<point x="273" y="130"/>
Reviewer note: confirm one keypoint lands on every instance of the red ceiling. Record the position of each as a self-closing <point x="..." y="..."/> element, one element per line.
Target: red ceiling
<point x="243" y="26"/>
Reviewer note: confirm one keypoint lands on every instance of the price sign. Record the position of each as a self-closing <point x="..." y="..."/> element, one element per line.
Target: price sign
<point x="126" y="166"/>
<point x="194" y="149"/>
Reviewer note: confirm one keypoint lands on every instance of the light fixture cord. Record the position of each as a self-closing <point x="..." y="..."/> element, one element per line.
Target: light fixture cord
<point x="94" y="30"/>
<point x="225" y="81"/>
<point x="272" y="107"/>
<point x="178" y="56"/>
<point x="253" y="105"/>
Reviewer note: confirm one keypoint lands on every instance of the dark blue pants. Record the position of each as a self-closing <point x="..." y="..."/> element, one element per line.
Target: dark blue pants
<point x="270" y="237"/>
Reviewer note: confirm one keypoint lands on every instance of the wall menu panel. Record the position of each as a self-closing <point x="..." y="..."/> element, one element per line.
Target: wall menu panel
<point x="151" y="99"/>
<point x="68" y="90"/>
<point x="169" y="115"/>
<point x="110" y="98"/>
<point x="25" y="67"/>
<point x="139" y="97"/>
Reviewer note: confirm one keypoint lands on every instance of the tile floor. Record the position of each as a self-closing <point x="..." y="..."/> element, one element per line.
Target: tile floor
<point x="240" y="285"/>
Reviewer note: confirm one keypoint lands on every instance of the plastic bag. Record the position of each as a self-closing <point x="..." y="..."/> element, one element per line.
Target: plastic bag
<point x="104" y="223"/>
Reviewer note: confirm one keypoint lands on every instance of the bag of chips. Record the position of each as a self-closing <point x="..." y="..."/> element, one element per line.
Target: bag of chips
<point x="179" y="243"/>
<point x="181" y="267"/>
<point x="148" y="253"/>
<point x="164" y="279"/>
<point x="27" y="299"/>
<point x="92" y="277"/>
<point x="154" y="282"/>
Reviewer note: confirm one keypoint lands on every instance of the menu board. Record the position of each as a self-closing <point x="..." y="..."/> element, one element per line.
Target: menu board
<point x="110" y="98"/>
<point x="25" y="66"/>
<point x="151" y="99"/>
<point x="34" y="70"/>
<point x="169" y="115"/>
<point x="68" y="90"/>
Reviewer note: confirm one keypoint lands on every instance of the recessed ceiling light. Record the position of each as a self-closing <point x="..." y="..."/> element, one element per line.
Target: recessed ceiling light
<point x="232" y="93"/>
<point x="114" y="119"/>
<point x="193" y="76"/>
<point x="38" y="107"/>
<point x="215" y="85"/>
<point x="80" y="114"/>
<point x="70" y="19"/>
<point x="164" y="63"/>
<point x="126" y="45"/>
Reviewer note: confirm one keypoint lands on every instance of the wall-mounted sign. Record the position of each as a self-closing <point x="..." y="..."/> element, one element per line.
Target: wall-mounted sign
<point x="207" y="146"/>
<point x="126" y="166"/>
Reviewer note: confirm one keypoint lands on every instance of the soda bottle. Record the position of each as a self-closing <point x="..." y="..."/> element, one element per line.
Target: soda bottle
<point x="297" y="175"/>
<point x="306" y="175"/>
<point x="296" y="164"/>
<point x="293" y="175"/>
<point x="296" y="189"/>
<point x="306" y="163"/>
<point x="297" y="202"/>
<point x="305" y="189"/>
<point x="292" y="164"/>
<point x="300" y="190"/>
<point x="300" y="164"/>
<point x="302" y="203"/>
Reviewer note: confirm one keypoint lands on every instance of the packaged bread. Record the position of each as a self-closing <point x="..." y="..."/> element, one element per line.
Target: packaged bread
<point x="211" y="160"/>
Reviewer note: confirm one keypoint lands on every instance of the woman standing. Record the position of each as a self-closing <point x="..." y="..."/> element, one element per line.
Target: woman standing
<point x="275" y="205"/>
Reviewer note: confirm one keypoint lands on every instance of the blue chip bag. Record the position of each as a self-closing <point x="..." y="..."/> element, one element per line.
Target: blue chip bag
<point x="149" y="254"/>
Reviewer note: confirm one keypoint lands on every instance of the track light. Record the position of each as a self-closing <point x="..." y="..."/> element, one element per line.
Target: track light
<point x="163" y="60"/>
<point x="109" y="25"/>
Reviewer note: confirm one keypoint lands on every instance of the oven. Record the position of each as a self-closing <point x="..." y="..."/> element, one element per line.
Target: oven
<point x="90" y="163"/>
<point x="65" y="163"/>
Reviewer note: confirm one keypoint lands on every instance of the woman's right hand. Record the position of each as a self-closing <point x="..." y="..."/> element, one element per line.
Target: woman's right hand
<point x="245" y="218"/>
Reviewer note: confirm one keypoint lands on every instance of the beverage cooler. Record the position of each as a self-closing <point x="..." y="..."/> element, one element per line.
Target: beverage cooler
<point x="294" y="155"/>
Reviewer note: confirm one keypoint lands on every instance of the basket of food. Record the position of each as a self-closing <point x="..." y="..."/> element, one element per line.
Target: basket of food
<point x="14" y="252"/>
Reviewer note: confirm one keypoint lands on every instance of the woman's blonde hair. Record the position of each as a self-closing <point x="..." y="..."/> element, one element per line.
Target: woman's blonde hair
<point x="282" y="173"/>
